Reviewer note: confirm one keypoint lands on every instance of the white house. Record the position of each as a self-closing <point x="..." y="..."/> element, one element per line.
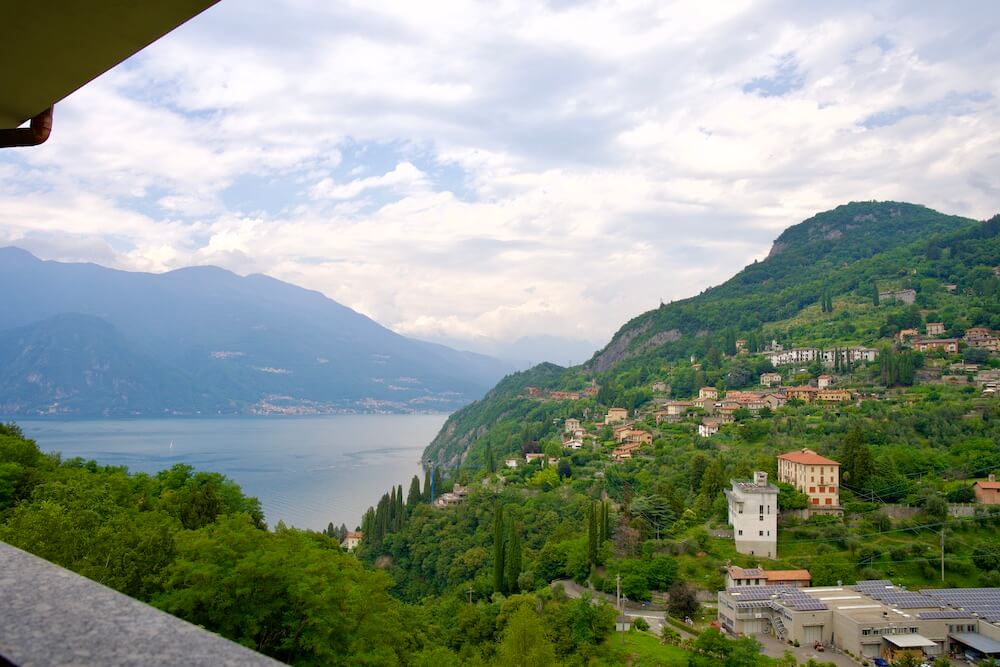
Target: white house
<point x="352" y="540"/>
<point x="511" y="463"/>
<point x="753" y="514"/>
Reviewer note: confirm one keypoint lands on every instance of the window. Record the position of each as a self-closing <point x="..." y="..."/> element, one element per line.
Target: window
<point x="812" y="489"/>
<point x="822" y="489"/>
<point x="829" y="501"/>
<point x="761" y="509"/>
<point x="741" y="532"/>
<point x="761" y="533"/>
<point x="815" y="501"/>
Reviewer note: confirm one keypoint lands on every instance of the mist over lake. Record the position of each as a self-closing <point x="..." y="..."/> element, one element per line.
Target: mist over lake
<point x="306" y="471"/>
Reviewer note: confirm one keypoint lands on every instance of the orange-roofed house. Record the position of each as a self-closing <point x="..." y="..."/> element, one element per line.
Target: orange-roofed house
<point x="352" y="539"/>
<point x="816" y="476"/>
<point x="795" y="578"/>
<point x="988" y="492"/>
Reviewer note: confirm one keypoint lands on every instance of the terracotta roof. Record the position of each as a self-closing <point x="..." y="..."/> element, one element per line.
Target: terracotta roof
<point x="807" y="456"/>
<point x="787" y="575"/>
<point x="737" y="572"/>
<point x="988" y="485"/>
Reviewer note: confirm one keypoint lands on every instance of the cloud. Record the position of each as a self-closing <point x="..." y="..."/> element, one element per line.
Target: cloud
<point x="470" y="171"/>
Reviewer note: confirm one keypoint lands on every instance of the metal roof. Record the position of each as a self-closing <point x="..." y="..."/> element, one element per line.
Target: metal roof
<point x="981" y="643"/>
<point x="909" y="641"/>
<point x="50" y="50"/>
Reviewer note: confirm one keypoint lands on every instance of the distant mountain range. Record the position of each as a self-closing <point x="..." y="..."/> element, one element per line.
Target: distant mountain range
<point x="85" y="340"/>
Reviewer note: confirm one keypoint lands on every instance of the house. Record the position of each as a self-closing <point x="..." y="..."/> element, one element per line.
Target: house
<point x="951" y="287"/>
<point x="675" y="410"/>
<point x="750" y="576"/>
<point x="455" y="497"/>
<point x="849" y="355"/>
<point x="790" y="578"/>
<point x="833" y="395"/>
<point x="798" y="355"/>
<point x="935" y="328"/>
<point x="706" y="404"/>
<point x="534" y="456"/>
<point x="352" y="540"/>
<point x="907" y="296"/>
<point x="949" y="345"/>
<point x="709" y="427"/>
<point x="511" y="463"/>
<point x="973" y="334"/>
<point x="632" y="435"/>
<point x="625" y="451"/>
<point x="756" y="576"/>
<point x="571" y="425"/>
<point x="741" y="346"/>
<point x="770" y="379"/>
<point x="753" y="514"/>
<point x="615" y="415"/>
<point x="824" y="381"/>
<point x="804" y="393"/>
<point x="775" y="401"/>
<point x="553" y="460"/>
<point x="906" y="334"/>
<point x="988" y="492"/>
<point x="816" y="476"/>
<point x="623" y="623"/>
<point x="573" y="443"/>
<point x="708" y="392"/>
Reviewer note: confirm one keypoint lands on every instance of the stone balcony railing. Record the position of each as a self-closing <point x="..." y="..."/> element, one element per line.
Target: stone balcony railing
<point x="51" y="616"/>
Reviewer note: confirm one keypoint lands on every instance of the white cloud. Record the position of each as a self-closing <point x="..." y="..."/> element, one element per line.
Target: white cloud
<point x="502" y="170"/>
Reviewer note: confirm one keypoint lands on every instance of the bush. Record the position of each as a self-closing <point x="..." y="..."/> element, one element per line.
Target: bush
<point x="640" y="624"/>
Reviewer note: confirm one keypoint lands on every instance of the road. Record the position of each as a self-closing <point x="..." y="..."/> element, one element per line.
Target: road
<point x="652" y="616"/>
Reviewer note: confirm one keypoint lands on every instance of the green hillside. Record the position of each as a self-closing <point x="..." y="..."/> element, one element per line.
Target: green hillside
<point x="844" y="254"/>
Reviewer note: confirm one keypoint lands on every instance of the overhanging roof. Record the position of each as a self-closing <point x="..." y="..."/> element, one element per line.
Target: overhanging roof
<point x="981" y="643"/>
<point x="48" y="50"/>
<point x="909" y="641"/>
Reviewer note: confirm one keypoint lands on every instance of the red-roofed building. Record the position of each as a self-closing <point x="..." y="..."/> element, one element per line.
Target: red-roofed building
<point x="816" y="476"/>
<point x="988" y="492"/>
<point x="353" y="539"/>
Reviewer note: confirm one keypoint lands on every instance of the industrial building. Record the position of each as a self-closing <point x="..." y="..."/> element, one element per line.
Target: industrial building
<point x="870" y="619"/>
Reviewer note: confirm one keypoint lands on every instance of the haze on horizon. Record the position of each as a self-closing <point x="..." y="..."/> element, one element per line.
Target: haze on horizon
<point x="477" y="174"/>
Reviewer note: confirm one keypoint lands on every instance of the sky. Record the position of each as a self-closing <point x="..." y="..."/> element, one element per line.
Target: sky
<point x="480" y="173"/>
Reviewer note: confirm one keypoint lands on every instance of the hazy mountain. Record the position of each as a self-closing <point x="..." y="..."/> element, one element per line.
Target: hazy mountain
<point x="84" y="339"/>
<point x="528" y="351"/>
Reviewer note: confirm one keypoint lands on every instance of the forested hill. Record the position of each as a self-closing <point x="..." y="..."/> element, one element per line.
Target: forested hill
<point x="85" y="340"/>
<point x="844" y="254"/>
<point x="839" y="250"/>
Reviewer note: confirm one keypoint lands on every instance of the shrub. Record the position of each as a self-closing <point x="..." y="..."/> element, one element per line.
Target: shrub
<point x="640" y="624"/>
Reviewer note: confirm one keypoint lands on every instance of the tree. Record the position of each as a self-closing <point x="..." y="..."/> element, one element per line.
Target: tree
<point x="564" y="469"/>
<point x="512" y="560"/>
<point x="427" y="486"/>
<point x="498" y="549"/>
<point x="857" y="462"/>
<point x="683" y="601"/>
<point x="592" y="536"/>
<point x="524" y="643"/>
<point x="790" y="498"/>
<point x="875" y="296"/>
<point x="436" y="489"/>
<point x="414" y="496"/>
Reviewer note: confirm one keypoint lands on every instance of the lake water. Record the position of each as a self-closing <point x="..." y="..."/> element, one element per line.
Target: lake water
<point x="306" y="471"/>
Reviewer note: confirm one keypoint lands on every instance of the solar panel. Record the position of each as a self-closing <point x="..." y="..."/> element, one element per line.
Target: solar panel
<point x="945" y="613"/>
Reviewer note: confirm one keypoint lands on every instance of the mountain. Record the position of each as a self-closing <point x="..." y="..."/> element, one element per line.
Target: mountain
<point x="845" y="253"/>
<point x="82" y="339"/>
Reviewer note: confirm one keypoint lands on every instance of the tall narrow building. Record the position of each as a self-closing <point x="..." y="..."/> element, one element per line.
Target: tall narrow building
<point x="753" y="514"/>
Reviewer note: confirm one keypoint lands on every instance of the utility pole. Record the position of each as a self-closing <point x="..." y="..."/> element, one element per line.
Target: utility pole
<point x="618" y="594"/>
<point x="470" y="595"/>
<point x="942" y="553"/>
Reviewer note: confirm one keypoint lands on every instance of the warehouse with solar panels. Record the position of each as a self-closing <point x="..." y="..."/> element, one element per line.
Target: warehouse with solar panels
<point x="870" y="619"/>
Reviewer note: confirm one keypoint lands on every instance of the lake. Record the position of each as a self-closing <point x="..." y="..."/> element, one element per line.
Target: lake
<point x="306" y="471"/>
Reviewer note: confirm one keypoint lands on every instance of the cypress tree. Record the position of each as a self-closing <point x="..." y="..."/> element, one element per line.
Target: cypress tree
<point x="491" y="464"/>
<point x="427" y="486"/>
<point x="498" y="549"/>
<point x="875" y="297"/>
<point x="512" y="562"/>
<point x="413" y="497"/>
<point x="436" y="486"/>
<point x="592" y="534"/>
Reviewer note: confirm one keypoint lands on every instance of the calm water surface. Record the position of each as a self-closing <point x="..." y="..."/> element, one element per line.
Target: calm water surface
<point x="307" y="471"/>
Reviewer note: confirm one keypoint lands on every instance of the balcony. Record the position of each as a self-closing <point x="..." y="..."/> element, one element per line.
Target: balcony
<point x="51" y="616"/>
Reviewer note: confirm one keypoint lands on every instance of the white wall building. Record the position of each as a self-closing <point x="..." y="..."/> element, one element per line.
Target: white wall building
<point x="753" y="514"/>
